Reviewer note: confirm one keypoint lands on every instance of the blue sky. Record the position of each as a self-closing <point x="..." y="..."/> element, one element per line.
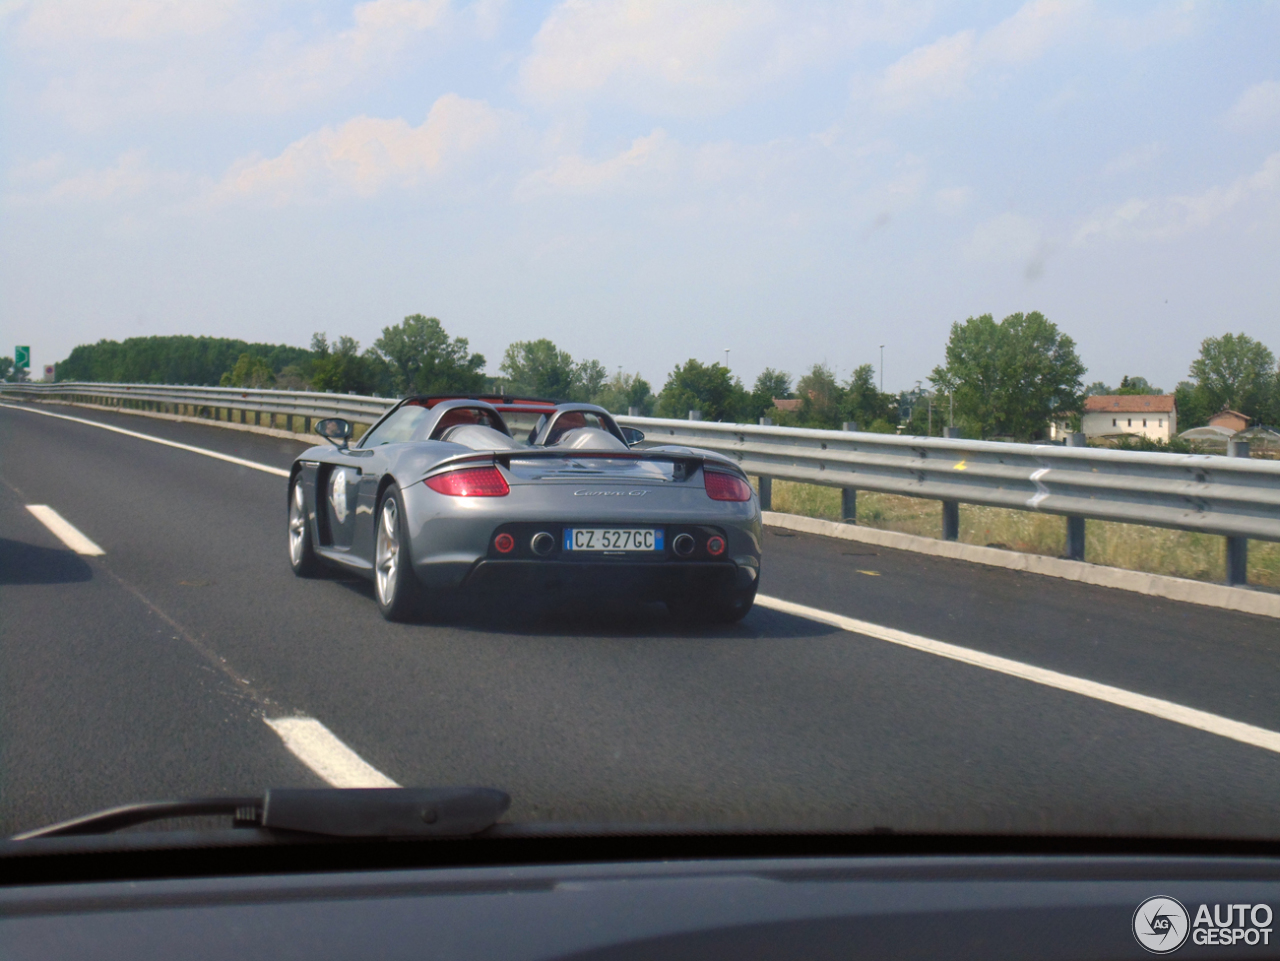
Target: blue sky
<point x="644" y="181"/>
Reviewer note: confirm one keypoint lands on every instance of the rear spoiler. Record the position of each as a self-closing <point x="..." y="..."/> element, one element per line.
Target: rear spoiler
<point x="686" y="461"/>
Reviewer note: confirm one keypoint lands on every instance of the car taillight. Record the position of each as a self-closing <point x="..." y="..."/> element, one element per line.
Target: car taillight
<point x="472" y="482"/>
<point x="726" y="487"/>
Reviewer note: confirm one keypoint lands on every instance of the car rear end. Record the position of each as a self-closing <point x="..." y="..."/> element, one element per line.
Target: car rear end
<point x="661" y="524"/>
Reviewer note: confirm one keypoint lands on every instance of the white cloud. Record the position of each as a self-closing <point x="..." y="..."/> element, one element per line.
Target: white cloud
<point x="647" y="157"/>
<point x="1033" y="30"/>
<point x="942" y="69"/>
<point x="114" y="60"/>
<point x="287" y="73"/>
<point x="937" y="71"/>
<point x="1139" y="158"/>
<point x="690" y="58"/>
<point x="51" y="180"/>
<point x="1257" y="108"/>
<point x="1166" y="218"/>
<point x="367" y="155"/>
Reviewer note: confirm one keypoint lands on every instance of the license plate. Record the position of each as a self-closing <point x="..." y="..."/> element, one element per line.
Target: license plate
<point x="613" y="539"/>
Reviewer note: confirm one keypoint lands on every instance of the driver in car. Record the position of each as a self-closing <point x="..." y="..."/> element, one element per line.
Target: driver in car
<point x="569" y="420"/>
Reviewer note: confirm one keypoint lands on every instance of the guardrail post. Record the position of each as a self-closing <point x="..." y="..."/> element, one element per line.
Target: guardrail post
<point x="1075" y="525"/>
<point x="695" y="415"/>
<point x="951" y="509"/>
<point x="766" y="483"/>
<point x="1237" y="547"/>
<point x="849" y="495"/>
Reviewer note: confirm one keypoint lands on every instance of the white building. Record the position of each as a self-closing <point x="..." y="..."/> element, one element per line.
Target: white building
<point x="1154" y="416"/>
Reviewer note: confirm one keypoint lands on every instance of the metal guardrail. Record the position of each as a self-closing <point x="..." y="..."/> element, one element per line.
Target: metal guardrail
<point x="1210" y="493"/>
<point x="309" y="405"/>
<point x="1234" y="496"/>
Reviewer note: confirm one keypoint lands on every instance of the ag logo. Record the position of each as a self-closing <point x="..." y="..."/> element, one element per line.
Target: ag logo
<point x="1160" y="924"/>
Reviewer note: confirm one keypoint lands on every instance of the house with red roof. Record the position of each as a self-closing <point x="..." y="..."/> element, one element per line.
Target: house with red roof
<point x="1154" y="416"/>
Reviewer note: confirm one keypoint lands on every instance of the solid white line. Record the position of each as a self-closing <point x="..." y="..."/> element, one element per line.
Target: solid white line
<point x="319" y="749"/>
<point x="1166" y="710"/>
<point x="157" y="440"/>
<point x="64" y="531"/>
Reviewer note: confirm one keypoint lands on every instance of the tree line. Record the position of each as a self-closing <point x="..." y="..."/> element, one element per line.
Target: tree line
<point x="1001" y="379"/>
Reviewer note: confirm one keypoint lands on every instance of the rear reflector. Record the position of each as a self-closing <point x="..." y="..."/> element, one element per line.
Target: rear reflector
<point x="472" y="482"/>
<point x="505" y="543"/>
<point x="726" y="487"/>
<point x="715" y="545"/>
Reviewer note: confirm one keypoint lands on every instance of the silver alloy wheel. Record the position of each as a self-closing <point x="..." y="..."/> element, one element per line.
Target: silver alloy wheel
<point x="388" y="552"/>
<point x="297" y="525"/>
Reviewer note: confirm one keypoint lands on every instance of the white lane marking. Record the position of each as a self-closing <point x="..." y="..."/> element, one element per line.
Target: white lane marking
<point x="265" y="468"/>
<point x="1166" y="710"/>
<point x="64" y="530"/>
<point x="319" y="749"/>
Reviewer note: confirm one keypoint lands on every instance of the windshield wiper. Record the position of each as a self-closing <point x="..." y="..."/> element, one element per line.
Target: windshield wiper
<point x="450" y="812"/>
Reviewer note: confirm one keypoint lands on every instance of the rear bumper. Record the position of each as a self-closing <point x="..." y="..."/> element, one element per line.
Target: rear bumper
<point x="618" y="579"/>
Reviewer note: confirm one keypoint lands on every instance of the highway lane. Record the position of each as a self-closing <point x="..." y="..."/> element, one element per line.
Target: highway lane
<point x="600" y="714"/>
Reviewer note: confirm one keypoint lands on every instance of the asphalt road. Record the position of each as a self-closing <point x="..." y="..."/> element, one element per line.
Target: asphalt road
<point x="147" y="673"/>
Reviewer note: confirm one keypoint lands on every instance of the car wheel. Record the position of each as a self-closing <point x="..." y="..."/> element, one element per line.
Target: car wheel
<point x="722" y="607"/>
<point x="302" y="553"/>
<point x="396" y="586"/>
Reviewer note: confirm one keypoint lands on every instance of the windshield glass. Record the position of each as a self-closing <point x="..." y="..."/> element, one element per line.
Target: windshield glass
<point x="951" y="331"/>
<point x="524" y="424"/>
<point x="403" y="425"/>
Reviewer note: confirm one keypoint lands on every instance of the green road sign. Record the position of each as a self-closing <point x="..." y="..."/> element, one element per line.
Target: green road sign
<point x="22" y="358"/>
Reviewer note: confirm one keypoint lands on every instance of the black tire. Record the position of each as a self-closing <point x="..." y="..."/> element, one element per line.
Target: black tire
<point x="302" y="553"/>
<point x="722" y="607"/>
<point x="396" y="587"/>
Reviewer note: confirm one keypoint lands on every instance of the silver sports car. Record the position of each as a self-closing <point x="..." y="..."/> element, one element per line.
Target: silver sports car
<point x="449" y="494"/>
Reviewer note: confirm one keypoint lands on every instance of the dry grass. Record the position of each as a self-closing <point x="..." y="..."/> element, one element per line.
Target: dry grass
<point x="1151" y="549"/>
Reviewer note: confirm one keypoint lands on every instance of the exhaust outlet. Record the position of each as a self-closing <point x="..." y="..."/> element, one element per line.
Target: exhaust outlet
<point x="542" y="543"/>
<point x="683" y="544"/>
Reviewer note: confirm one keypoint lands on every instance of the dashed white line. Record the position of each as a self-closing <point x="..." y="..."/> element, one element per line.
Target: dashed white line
<point x="319" y="749"/>
<point x="64" y="530"/>
<point x="1166" y="710"/>
<point x="240" y="461"/>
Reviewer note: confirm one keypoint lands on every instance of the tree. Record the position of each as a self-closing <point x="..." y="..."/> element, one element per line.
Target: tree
<point x="424" y="360"/>
<point x="343" y="369"/>
<point x="1137" y="385"/>
<point x="624" y="391"/>
<point x="249" y="371"/>
<point x="1009" y="377"/>
<point x="178" y="359"/>
<point x="590" y="376"/>
<point x="710" y="388"/>
<point x="6" y="367"/>
<point x="769" y="385"/>
<point x="821" y="398"/>
<point x="1097" y="389"/>
<point x="537" y="368"/>
<point x="1234" y="371"/>
<point x="864" y="404"/>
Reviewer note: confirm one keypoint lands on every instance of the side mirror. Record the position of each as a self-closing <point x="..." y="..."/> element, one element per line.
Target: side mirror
<point x="335" y="430"/>
<point x="632" y="436"/>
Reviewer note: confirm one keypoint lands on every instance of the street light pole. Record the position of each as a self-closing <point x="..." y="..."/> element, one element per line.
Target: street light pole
<point x="726" y="358"/>
<point x="882" y="368"/>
